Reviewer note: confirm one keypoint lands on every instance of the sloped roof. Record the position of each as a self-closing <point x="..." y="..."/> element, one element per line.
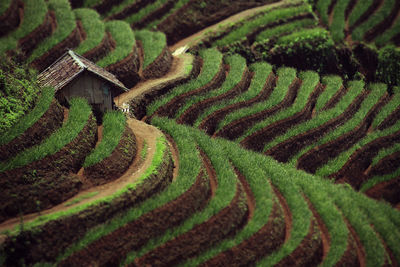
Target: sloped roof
<point x="69" y="66"/>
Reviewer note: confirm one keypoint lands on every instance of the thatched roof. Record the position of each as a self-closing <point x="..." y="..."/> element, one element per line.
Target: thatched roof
<point x="69" y="66"/>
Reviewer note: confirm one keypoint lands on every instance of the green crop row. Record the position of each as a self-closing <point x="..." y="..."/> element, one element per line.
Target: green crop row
<point x="42" y="105"/>
<point x="143" y="12"/>
<point x="373" y="20"/>
<point x="373" y="181"/>
<point x="383" y="153"/>
<point x="269" y="17"/>
<point x="337" y="163"/>
<point x="224" y="194"/>
<point x="237" y="67"/>
<point x="124" y="38"/>
<point x="322" y="8"/>
<point x="77" y="119"/>
<point x="177" y="5"/>
<point x="388" y="34"/>
<point x="94" y="29"/>
<point x="261" y="71"/>
<point x="159" y="154"/>
<point x="190" y="166"/>
<point x="114" y="123"/>
<point x="285" y="77"/>
<point x="285" y="29"/>
<point x="359" y="9"/>
<point x="118" y="7"/>
<point x="65" y="25"/>
<point x="374" y="95"/>
<point x="153" y="44"/>
<point x="322" y="117"/>
<point x="212" y="60"/>
<point x="4" y="5"/>
<point x="309" y="81"/>
<point x="338" y="23"/>
<point x="34" y="14"/>
<point x="333" y="85"/>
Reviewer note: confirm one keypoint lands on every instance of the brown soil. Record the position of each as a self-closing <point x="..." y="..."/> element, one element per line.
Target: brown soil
<point x="320" y="155"/>
<point x="350" y="256"/>
<point x="192" y="113"/>
<point x="388" y="190"/>
<point x="349" y="8"/>
<point x="357" y="169"/>
<point x="174" y="154"/>
<point x="335" y="99"/>
<point x="146" y="92"/>
<point x="126" y="70"/>
<point x="109" y="250"/>
<point x="331" y="11"/>
<point x="44" y="243"/>
<point x="376" y="4"/>
<point x="210" y="123"/>
<point x="12" y="17"/>
<point x="116" y="163"/>
<point x="310" y="250"/>
<point x="390" y="120"/>
<point x="129" y="10"/>
<point x="101" y="50"/>
<point x="264" y="95"/>
<point x="170" y="109"/>
<point x="257" y="140"/>
<point x="356" y="242"/>
<point x="285" y="150"/>
<point x="70" y="42"/>
<point x="238" y="127"/>
<point x="105" y="5"/>
<point x="44" y="183"/>
<point x="251" y="202"/>
<point x="390" y="259"/>
<point x="28" y="43"/>
<point x="386" y="23"/>
<point x="201" y="237"/>
<point x="51" y="120"/>
<point x="204" y="33"/>
<point x="268" y="239"/>
<point x="286" y="211"/>
<point x="193" y="17"/>
<point x="325" y="235"/>
<point x="156" y="14"/>
<point x="160" y="66"/>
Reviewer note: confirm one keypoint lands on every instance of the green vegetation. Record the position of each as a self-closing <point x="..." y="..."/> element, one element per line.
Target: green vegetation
<point x="118" y="7"/>
<point x="212" y="60"/>
<point x="30" y="118"/>
<point x="261" y="70"/>
<point x="309" y="81"/>
<point x="286" y="77"/>
<point x="153" y="44"/>
<point x="285" y="29"/>
<point x="18" y="93"/>
<point x="114" y="123"/>
<point x="333" y="85"/>
<point x="237" y="67"/>
<point x="373" y="20"/>
<point x="65" y="25"/>
<point x="268" y="17"/>
<point x="323" y="116"/>
<point x="4" y="6"/>
<point x="358" y="10"/>
<point x="77" y="119"/>
<point x="373" y="181"/>
<point x="34" y="14"/>
<point x="123" y="35"/>
<point x="143" y="153"/>
<point x="386" y="37"/>
<point x="322" y="8"/>
<point x="94" y="29"/>
<point x="338" y="22"/>
<point x="143" y="12"/>
<point x="177" y="5"/>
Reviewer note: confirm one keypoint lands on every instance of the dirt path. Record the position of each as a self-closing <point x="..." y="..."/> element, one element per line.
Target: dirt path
<point x="178" y="70"/>
<point x="197" y="37"/>
<point x="143" y="132"/>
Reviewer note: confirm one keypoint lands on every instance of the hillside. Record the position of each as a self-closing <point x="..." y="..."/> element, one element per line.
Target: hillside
<point x="245" y="133"/>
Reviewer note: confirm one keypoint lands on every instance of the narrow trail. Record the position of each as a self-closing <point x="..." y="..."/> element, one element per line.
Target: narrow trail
<point x="143" y="132"/>
<point x="177" y="71"/>
<point x="197" y="37"/>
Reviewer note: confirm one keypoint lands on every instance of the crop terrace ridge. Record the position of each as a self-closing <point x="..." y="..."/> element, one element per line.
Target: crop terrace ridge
<point x="258" y="139"/>
<point x="146" y="227"/>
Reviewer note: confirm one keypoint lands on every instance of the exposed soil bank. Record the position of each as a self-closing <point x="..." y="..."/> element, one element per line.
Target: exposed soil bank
<point x="160" y="66"/>
<point x="12" y="17"/>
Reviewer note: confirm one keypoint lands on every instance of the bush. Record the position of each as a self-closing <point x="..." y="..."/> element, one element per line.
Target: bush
<point x="388" y="70"/>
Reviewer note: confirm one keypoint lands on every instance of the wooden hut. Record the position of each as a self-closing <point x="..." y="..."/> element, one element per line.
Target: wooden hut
<point x="75" y="76"/>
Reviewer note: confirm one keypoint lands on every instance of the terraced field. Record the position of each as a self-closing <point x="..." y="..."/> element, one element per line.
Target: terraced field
<point x="274" y="141"/>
